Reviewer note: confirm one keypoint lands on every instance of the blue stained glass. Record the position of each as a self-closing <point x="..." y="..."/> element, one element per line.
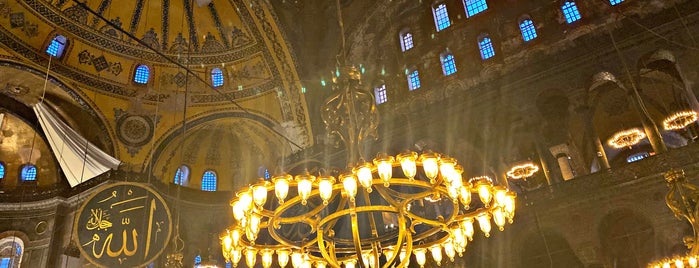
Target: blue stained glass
<point x="29" y="173"/>
<point x="197" y="259"/>
<point x="406" y="41"/>
<point x="636" y="157"/>
<point x="208" y="181"/>
<point x="56" y="47"/>
<point x="413" y="80"/>
<point x="229" y="265"/>
<point x="486" y="47"/>
<point x="528" y="30"/>
<point x="570" y="11"/>
<point x="5" y="263"/>
<point x="380" y="94"/>
<point x="474" y="7"/>
<point x="615" y="2"/>
<point x="182" y="175"/>
<point x="2" y="171"/>
<point x="448" y="64"/>
<point x="142" y="74"/>
<point x="267" y="175"/>
<point x="217" y="77"/>
<point x="441" y="17"/>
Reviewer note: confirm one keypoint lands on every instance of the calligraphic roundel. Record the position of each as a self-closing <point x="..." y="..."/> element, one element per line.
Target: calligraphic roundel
<point x="123" y="225"/>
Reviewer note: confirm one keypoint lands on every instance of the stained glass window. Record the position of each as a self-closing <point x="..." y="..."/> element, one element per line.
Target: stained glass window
<point x="474" y="7"/>
<point x="441" y="16"/>
<point x="413" y="80"/>
<point x="448" y="64"/>
<point x="486" y="47"/>
<point x="208" y="181"/>
<point x="29" y="173"/>
<point x="217" y="77"/>
<point x="570" y="11"/>
<point x="142" y="74"/>
<point x="406" y="40"/>
<point x="380" y="94"/>
<point x="528" y="30"/>
<point x="56" y="47"/>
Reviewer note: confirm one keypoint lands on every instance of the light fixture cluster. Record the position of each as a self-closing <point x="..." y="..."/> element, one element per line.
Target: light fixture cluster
<point x="680" y="120"/>
<point x="626" y="138"/>
<point x="320" y="221"/>
<point x="522" y="171"/>
<point x="689" y="261"/>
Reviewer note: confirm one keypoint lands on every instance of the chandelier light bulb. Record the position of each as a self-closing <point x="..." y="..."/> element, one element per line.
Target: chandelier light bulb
<point x="666" y="265"/>
<point x="349" y="183"/>
<point x="305" y="185"/>
<point x="245" y="200"/>
<point x="430" y="165"/>
<point x="436" y="252"/>
<point x="403" y="255"/>
<point x="449" y="250"/>
<point x="446" y="167"/>
<point x="692" y="261"/>
<point x="465" y="196"/>
<point x="266" y="257"/>
<point x="227" y="242"/>
<point x="364" y="176"/>
<point x="509" y="206"/>
<point x="306" y="263"/>
<point x="325" y="187"/>
<point x="679" y="263"/>
<point x="236" y="255"/>
<point x="321" y="264"/>
<point x="408" y="165"/>
<point x="483" y="186"/>
<point x="420" y="256"/>
<point x="499" y="218"/>
<point x="484" y="224"/>
<point x="283" y="257"/>
<point x="350" y="263"/>
<point x="259" y="195"/>
<point x="467" y="226"/>
<point x="296" y="259"/>
<point x="250" y="257"/>
<point x="453" y="193"/>
<point x="281" y="187"/>
<point x="253" y="227"/>
<point x="384" y="166"/>
<point x="500" y="195"/>
<point x="238" y="210"/>
<point x="388" y="252"/>
<point x="235" y="237"/>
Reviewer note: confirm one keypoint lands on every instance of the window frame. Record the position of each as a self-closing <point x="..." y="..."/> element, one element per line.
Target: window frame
<point x="566" y="9"/>
<point x="490" y="47"/>
<point x="442" y="57"/>
<point x="3" y="170"/>
<point x="437" y="17"/>
<point x="215" y="180"/>
<point x="402" y="36"/>
<point x="135" y="73"/>
<point x="383" y="97"/>
<point x="213" y="79"/>
<point x="616" y="2"/>
<point x="62" y="50"/>
<point x="531" y="25"/>
<point x="466" y="7"/>
<point x="26" y="168"/>
<point x="414" y="83"/>
<point x="184" y="182"/>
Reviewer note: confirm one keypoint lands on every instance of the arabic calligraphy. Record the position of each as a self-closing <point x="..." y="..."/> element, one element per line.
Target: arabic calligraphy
<point x="124" y="224"/>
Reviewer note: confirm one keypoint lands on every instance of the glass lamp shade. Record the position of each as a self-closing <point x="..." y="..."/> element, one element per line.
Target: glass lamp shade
<point x="430" y="165"/>
<point x="403" y="255"/>
<point x="467" y="227"/>
<point x="350" y="264"/>
<point x="259" y="195"/>
<point x="235" y="237"/>
<point x="484" y="224"/>
<point x="283" y="257"/>
<point x="267" y="257"/>
<point x="349" y="183"/>
<point x="446" y="168"/>
<point x="364" y="175"/>
<point x="321" y="264"/>
<point x="281" y="187"/>
<point x="465" y="195"/>
<point x="305" y="185"/>
<point x="236" y="255"/>
<point x="436" y="252"/>
<point x="499" y="218"/>
<point x="420" y="256"/>
<point x="296" y="259"/>
<point x="325" y="187"/>
<point x="250" y="257"/>
<point x="384" y="166"/>
<point x="483" y="187"/>
<point x="449" y="250"/>
<point x="407" y="163"/>
<point x="245" y="200"/>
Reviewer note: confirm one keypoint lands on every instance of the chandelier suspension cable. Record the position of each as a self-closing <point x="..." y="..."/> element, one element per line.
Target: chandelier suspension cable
<point x="180" y="65"/>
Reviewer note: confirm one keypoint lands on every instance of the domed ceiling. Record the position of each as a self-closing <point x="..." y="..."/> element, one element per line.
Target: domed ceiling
<point x="241" y="38"/>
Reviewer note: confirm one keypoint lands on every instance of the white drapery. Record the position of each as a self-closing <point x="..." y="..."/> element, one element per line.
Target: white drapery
<point x="80" y="160"/>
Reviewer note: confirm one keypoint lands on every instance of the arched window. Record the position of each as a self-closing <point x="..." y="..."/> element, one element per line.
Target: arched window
<point x="267" y="174"/>
<point x="56" y="47"/>
<point x="526" y="26"/>
<point x="474" y="7"/>
<point x="208" y="181"/>
<point x="615" y="2"/>
<point x="28" y="173"/>
<point x="380" y="94"/>
<point x="2" y="170"/>
<point x="448" y="64"/>
<point x="486" y="47"/>
<point x="11" y="251"/>
<point x="142" y="74"/>
<point x="637" y="156"/>
<point x="217" y="77"/>
<point x="182" y="176"/>
<point x="570" y="11"/>
<point x="406" y="40"/>
<point x="441" y="16"/>
<point x="413" y="80"/>
<point x="197" y="260"/>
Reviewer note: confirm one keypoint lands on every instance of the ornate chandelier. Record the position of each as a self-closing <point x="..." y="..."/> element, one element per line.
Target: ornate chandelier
<point x="378" y="214"/>
<point x="681" y="199"/>
<point x="679" y="120"/>
<point x="626" y="138"/>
